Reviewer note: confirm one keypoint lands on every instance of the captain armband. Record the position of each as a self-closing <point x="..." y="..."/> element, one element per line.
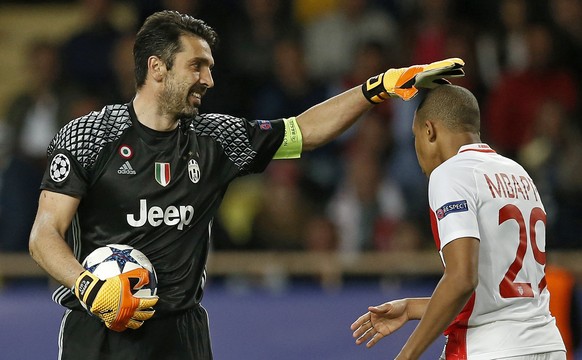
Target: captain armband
<point x="292" y="142"/>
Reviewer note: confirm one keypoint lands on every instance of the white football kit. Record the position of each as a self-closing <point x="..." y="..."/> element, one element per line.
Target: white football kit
<point x="481" y="194"/>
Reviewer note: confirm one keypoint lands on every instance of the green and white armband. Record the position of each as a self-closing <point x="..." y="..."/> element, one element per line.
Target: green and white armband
<point x="292" y="142"/>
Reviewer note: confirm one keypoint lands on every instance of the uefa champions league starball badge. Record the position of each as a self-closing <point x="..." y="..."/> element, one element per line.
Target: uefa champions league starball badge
<point x="60" y="168"/>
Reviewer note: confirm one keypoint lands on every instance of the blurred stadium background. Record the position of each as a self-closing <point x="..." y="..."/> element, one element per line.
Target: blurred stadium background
<point x="302" y="249"/>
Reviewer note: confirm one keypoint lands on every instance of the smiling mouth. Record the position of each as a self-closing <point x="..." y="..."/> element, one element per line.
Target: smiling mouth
<point x="195" y="97"/>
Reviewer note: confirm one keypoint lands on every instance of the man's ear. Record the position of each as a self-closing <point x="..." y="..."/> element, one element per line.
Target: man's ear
<point x="157" y="68"/>
<point x="430" y="131"/>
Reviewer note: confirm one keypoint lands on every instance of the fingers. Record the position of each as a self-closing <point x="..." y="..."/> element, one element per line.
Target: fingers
<point x="116" y="325"/>
<point x="377" y="337"/>
<point x="143" y="314"/>
<point x="367" y="332"/>
<point x="362" y="332"/>
<point x="451" y="63"/>
<point x="134" y="324"/>
<point x="360" y="321"/>
<point x="380" y="309"/>
<point x="147" y="302"/>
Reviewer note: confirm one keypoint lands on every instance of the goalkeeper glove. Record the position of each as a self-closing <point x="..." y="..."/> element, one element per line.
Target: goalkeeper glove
<point x="405" y="82"/>
<point x="112" y="300"/>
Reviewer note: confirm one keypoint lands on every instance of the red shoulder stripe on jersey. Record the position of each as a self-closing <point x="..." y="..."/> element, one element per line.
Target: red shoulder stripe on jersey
<point x="435" y="230"/>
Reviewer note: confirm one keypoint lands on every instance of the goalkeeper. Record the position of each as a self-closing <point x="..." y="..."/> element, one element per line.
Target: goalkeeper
<point x="152" y="173"/>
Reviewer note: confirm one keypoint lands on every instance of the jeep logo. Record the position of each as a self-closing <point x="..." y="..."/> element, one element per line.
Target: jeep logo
<point x="156" y="216"/>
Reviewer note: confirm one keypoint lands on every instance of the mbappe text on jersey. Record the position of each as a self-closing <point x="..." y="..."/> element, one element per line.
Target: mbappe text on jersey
<point x="512" y="186"/>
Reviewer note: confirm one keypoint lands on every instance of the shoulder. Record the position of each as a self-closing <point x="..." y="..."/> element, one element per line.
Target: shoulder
<point x="218" y="125"/>
<point x="456" y="175"/>
<point x="226" y="130"/>
<point x="85" y="136"/>
<point x="454" y="168"/>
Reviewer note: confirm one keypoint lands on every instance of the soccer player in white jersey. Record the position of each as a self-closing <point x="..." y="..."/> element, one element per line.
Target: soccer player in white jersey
<point x="488" y="223"/>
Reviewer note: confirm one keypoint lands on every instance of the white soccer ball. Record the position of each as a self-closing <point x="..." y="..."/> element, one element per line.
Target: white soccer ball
<point x="114" y="259"/>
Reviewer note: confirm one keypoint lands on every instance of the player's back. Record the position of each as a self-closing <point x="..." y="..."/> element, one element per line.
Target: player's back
<point x="512" y="225"/>
<point x="495" y="200"/>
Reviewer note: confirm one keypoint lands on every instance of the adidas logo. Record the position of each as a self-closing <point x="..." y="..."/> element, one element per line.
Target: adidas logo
<point x="126" y="169"/>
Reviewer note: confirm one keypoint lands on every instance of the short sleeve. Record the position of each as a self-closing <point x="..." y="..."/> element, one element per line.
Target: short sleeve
<point x="249" y="145"/>
<point x="453" y="203"/>
<point x="64" y="174"/>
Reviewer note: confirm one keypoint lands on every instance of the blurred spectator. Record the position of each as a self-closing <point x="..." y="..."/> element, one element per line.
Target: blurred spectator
<point x="402" y="164"/>
<point x="123" y="68"/>
<point x="249" y="40"/>
<point x="461" y="43"/>
<point x="321" y="235"/>
<point x="238" y="211"/>
<point x="87" y="53"/>
<point x="36" y="114"/>
<point x="504" y="48"/>
<point x="289" y="90"/>
<point x="145" y="8"/>
<point x="515" y="102"/>
<point x="331" y="41"/>
<point x="32" y="119"/>
<point x="567" y="16"/>
<point x="279" y="223"/>
<point x="556" y="145"/>
<point x="306" y="11"/>
<point x="368" y="205"/>
<point x="425" y="31"/>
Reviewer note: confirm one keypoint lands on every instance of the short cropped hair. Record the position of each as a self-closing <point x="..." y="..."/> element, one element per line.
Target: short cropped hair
<point x="160" y="36"/>
<point x="454" y="106"/>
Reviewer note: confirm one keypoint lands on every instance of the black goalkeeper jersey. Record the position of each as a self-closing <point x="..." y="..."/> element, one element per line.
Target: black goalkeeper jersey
<point x="156" y="191"/>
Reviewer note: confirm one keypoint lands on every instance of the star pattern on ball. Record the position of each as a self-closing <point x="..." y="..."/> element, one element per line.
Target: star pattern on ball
<point x="121" y="257"/>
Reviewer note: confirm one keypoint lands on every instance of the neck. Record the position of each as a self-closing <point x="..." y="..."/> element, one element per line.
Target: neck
<point x="149" y="113"/>
<point x="451" y="147"/>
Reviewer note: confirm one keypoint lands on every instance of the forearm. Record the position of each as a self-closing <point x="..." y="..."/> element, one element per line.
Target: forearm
<point x="51" y="252"/>
<point x="327" y="120"/>
<point x="445" y="304"/>
<point x="416" y="307"/>
<point x="47" y="244"/>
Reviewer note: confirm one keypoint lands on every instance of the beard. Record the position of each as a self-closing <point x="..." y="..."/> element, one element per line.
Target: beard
<point x="174" y="99"/>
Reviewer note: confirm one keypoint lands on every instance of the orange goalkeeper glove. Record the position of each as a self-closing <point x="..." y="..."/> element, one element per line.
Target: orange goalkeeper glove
<point x="405" y="82"/>
<point x="112" y="299"/>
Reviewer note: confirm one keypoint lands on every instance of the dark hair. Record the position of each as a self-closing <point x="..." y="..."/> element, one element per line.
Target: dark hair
<point x="454" y="106"/>
<point x="160" y="36"/>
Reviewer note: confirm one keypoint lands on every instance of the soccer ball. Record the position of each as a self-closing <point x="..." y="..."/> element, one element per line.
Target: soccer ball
<point x="114" y="259"/>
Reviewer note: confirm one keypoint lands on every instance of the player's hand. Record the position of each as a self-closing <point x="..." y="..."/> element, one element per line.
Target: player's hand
<point x="112" y="299"/>
<point x="405" y="82"/>
<point x="379" y="321"/>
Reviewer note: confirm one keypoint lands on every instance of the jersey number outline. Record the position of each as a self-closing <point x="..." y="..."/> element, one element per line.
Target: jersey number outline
<point x="508" y="288"/>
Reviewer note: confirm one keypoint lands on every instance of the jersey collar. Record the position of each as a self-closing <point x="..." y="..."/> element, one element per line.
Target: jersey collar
<point x="480" y="147"/>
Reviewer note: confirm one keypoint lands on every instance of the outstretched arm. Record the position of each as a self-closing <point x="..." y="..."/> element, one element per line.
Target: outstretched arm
<point x="383" y="320"/>
<point x="435" y="313"/>
<point x="327" y="120"/>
